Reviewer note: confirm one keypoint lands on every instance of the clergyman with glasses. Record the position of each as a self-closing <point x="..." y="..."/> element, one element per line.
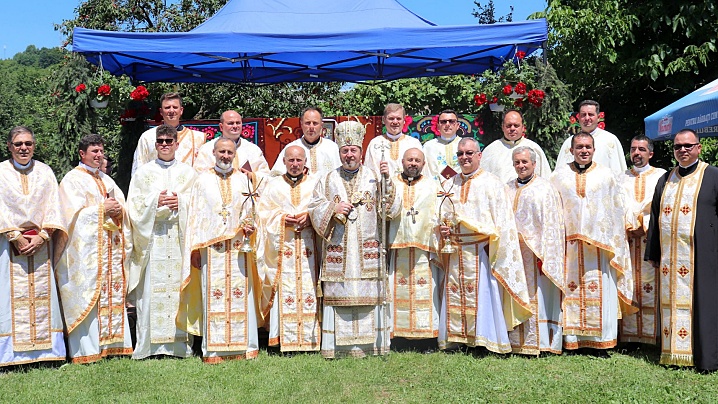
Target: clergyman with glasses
<point x="683" y="244"/>
<point x="486" y="264"/>
<point x="158" y="199"/>
<point x="440" y="152"/>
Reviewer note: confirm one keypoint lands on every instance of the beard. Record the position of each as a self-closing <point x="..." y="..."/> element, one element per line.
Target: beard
<point x="223" y="166"/>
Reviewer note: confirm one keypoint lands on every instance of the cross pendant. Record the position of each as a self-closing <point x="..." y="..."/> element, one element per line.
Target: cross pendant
<point x="412" y="212"/>
<point x="225" y="214"/>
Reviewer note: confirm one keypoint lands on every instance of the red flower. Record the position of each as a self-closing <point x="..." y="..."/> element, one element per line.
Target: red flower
<point x="535" y="97"/>
<point x="80" y="87"/>
<point x="601" y="115"/>
<point x="572" y="119"/>
<point x="407" y="121"/>
<point x="520" y="54"/>
<point x="519" y="103"/>
<point x="507" y="90"/>
<point x="520" y="88"/>
<point x="602" y="125"/>
<point x="494" y="100"/>
<point x="104" y="90"/>
<point x="435" y="124"/>
<point x="480" y="99"/>
<point x="139" y="93"/>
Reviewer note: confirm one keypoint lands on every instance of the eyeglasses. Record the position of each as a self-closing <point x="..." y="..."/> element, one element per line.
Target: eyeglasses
<point x="469" y="153"/>
<point x="165" y="141"/>
<point x="687" y="146"/>
<point x="445" y="121"/>
<point x="27" y="144"/>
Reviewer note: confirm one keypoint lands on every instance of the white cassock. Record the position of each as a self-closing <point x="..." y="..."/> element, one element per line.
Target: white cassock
<point x="290" y="266"/>
<point x="485" y="290"/>
<point x="599" y="276"/>
<point x="439" y="153"/>
<point x="217" y="301"/>
<point x="415" y="281"/>
<point x="638" y="186"/>
<point x="496" y="158"/>
<point x="539" y="220"/>
<point x="92" y="272"/>
<point x="353" y="321"/>
<point x="393" y="152"/>
<point x="608" y="152"/>
<point x="156" y="267"/>
<point x="322" y="157"/>
<point x="247" y="152"/>
<point x="30" y="322"/>
<point x="189" y="141"/>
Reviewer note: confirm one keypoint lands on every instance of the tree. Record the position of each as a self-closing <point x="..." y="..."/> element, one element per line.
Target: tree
<point x="486" y="14"/>
<point x="634" y="57"/>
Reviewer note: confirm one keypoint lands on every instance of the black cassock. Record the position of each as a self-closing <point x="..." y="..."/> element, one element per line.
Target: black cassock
<point x="705" y="281"/>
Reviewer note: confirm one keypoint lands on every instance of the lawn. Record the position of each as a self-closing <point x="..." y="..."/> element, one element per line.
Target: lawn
<point x="401" y="377"/>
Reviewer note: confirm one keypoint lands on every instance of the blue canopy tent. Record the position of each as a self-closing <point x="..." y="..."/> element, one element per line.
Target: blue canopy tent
<point x="697" y="110"/>
<point x="273" y="41"/>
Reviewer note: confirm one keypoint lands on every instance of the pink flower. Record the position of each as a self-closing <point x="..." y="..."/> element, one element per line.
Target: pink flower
<point x="247" y="131"/>
<point x="435" y="124"/>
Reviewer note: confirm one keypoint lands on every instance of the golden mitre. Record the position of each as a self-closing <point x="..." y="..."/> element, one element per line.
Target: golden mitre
<point x="349" y="133"/>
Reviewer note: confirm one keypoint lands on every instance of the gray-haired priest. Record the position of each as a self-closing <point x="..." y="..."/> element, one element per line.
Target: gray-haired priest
<point x="537" y="207"/>
<point x="344" y="210"/>
<point x="485" y="292"/>
<point x="30" y="320"/>
<point x="220" y="280"/>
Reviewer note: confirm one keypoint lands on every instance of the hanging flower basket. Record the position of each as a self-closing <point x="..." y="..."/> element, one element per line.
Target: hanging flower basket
<point x="95" y="103"/>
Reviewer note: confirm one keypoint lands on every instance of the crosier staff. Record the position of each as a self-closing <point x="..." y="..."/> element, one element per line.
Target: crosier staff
<point x="382" y="250"/>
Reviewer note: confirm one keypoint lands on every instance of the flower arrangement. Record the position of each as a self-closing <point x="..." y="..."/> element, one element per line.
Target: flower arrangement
<point x="102" y="93"/>
<point x="512" y="86"/>
<point x="140" y="93"/>
<point x="138" y="107"/>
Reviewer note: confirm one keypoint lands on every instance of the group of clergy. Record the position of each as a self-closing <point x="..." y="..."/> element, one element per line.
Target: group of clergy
<point x="341" y="250"/>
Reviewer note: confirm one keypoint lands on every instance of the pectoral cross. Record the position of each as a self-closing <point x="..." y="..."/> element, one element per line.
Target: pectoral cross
<point x="225" y="214"/>
<point x="412" y="212"/>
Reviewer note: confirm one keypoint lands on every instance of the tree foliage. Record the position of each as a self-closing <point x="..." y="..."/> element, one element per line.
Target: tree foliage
<point x="634" y="57"/>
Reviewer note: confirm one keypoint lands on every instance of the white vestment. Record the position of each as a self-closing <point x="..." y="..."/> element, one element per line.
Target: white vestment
<point x="599" y="276"/>
<point x="638" y="186"/>
<point x="539" y="220"/>
<point x="440" y="153"/>
<point x="485" y="290"/>
<point x="322" y="157"/>
<point x="217" y="301"/>
<point x="496" y="158"/>
<point x="354" y="321"/>
<point x="608" y="152"/>
<point x="415" y="281"/>
<point x="92" y="271"/>
<point x="189" y="143"/>
<point x="30" y="320"/>
<point x="393" y="152"/>
<point x="156" y="266"/>
<point x="290" y="266"/>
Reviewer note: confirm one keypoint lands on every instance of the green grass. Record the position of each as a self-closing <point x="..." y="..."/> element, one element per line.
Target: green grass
<point x="402" y="377"/>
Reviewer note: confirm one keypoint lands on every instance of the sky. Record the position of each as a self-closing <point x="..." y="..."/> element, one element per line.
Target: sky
<point x="31" y="22"/>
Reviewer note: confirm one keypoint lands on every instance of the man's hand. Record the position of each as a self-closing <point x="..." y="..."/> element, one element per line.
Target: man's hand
<point x="31" y="244"/>
<point x="384" y="167"/>
<point x="343" y="208"/>
<point x="302" y="220"/>
<point x="445" y="231"/>
<point x="172" y="202"/>
<point x="113" y="208"/>
<point x="248" y="229"/>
